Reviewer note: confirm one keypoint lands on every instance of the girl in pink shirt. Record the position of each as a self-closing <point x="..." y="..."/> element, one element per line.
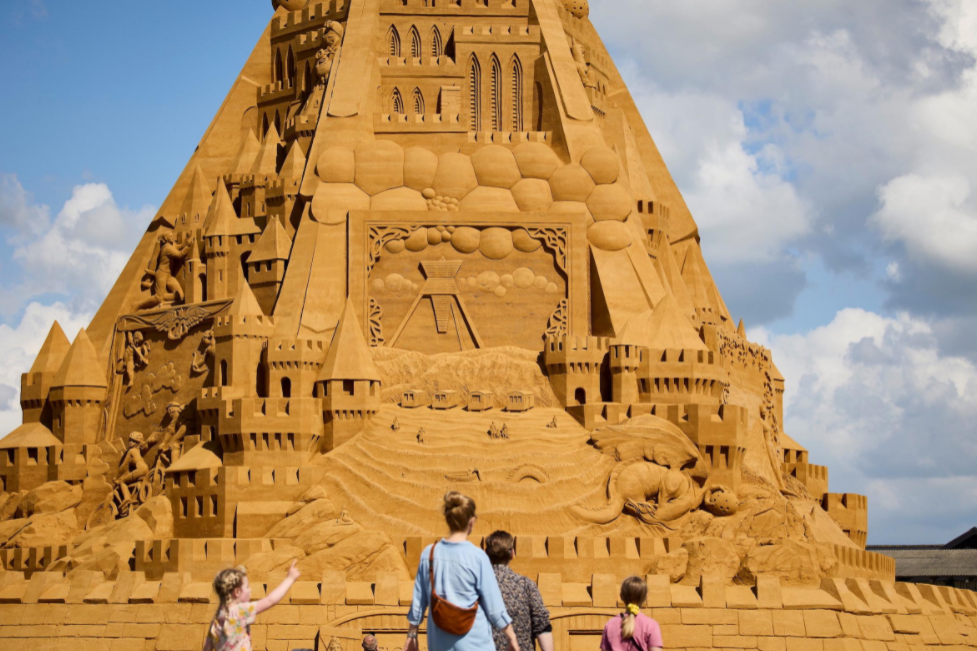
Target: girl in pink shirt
<point x="632" y="631"/>
<point x="230" y="630"/>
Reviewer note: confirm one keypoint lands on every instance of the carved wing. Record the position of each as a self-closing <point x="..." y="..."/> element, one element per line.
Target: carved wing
<point x="650" y="438"/>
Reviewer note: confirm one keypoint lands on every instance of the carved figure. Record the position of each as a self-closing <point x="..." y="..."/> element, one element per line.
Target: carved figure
<point x="420" y="436"/>
<point x="334" y="645"/>
<point x="132" y="468"/>
<point x="163" y="286"/>
<point x="344" y="517"/>
<point x="333" y="38"/>
<point x="659" y="476"/>
<point x="198" y="365"/>
<point x="504" y="432"/>
<point x="136" y="355"/>
<point x="493" y="430"/>
<point x="395" y="425"/>
<point x="170" y="438"/>
<point x="552" y="424"/>
<point x="583" y="68"/>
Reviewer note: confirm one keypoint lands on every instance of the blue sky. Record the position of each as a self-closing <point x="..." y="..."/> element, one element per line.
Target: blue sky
<point x="827" y="149"/>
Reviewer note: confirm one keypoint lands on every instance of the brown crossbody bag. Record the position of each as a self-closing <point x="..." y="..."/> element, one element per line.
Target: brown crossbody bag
<point x="449" y="617"/>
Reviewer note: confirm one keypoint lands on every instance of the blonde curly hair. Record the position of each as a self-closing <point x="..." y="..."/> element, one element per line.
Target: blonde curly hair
<point x="226" y="584"/>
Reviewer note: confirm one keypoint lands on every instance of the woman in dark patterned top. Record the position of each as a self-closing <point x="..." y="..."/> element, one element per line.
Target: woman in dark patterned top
<point x="530" y="619"/>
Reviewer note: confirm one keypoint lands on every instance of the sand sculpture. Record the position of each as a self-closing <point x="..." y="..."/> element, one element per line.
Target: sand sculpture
<point x="428" y="246"/>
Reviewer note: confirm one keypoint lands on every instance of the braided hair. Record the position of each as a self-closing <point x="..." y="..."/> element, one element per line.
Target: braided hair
<point x="226" y="584"/>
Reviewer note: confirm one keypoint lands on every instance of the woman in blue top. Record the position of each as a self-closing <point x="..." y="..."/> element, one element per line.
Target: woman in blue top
<point x="463" y="576"/>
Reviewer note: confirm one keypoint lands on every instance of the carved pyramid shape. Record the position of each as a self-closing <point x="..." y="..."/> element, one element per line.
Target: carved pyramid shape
<point x="426" y="246"/>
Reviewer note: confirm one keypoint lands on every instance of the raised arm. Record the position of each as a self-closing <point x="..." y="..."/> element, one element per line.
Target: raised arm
<point x="276" y="595"/>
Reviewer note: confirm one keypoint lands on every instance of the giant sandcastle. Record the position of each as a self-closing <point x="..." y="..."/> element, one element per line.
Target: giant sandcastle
<point x="428" y="245"/>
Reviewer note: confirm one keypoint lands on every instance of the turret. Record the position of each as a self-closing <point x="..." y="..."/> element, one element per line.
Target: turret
<point x="267" y="264"/>
<point x="720" y="434"/>
<point x="241" y="334"/>
<point x="241" y="166"/>
<point x="573" y="365"/>
<point x="263" y="171"/>
<point x="35" y="385"/>
<point x="625" y="360"/>
<point x="349" y="383"/>
<point x="228" y="241"/>
<point x="77" y="394"/>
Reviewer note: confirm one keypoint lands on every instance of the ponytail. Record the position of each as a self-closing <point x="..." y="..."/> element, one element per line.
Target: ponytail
<point x="634" y="591"/>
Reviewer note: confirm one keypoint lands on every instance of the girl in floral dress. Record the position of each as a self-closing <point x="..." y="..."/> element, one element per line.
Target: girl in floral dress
<point x="230" y="630"/>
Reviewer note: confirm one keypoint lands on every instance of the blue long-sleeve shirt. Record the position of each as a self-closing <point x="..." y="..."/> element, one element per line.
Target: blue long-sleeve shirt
<point x="462" y="575"/>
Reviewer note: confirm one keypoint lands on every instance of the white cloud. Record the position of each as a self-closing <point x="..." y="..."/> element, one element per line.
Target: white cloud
<point x="873" y="399"/>
<point x="84" y="250"/>
<point x="18" y="348"/>
<point x="19" y="215"/>
<point x="932" y="217"/>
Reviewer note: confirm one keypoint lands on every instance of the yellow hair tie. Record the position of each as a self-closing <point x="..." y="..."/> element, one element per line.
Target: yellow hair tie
<point x="632" y="609"/>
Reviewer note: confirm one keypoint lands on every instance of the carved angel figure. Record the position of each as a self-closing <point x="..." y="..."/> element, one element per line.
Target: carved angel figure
<point x="332" y="39"/>
<point x="164" y="288"/>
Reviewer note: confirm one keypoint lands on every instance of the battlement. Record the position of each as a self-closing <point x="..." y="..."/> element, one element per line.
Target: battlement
<point x="652" y="207"/>
<point x="243" y="325"/>
<point x="455" y="7"/>
<point x="497" y="34"/>
<point x="32" y="559"/>
<point x="251" y="181"/>
<point x="281" y="189"/>
<point x="427" y="122"/>
<point x="568" y="344"/>
<point x="509" y="137"/>
<point x="850" y="512"/>
<point x="401" y="65"/>
<point x="270" y="93"/>
<point x="203" y="557"/>
<point x="315" y="13"/>
<point x="627" y="357"/>
<point x="814" y="478"/>
<point x="861" y="564"/>
<point x="681" y="375"/>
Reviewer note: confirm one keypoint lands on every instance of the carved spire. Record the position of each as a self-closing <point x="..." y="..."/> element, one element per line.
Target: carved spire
<point x="81" y="367"/>
<point x="266" y="163"/>
<point x="52" y="352"/>
<point x="246" y="155"/>
<point x="221" y="216"/>
<point x="245" y="304"/>
<point x="741" y="329"/>
<point x="198" y="195"/>
<point x="274" y="244"/>
<point x="349" y="357"/>
<point x="663" y="327"/>
<point x="294" y="164"/>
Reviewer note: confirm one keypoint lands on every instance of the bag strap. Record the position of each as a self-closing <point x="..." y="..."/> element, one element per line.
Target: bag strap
<point x="430" y="567"/>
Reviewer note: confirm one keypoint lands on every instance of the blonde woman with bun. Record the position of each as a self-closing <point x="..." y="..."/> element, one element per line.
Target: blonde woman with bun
<point x="632" y="630"/>
<point x="464" y="578"/>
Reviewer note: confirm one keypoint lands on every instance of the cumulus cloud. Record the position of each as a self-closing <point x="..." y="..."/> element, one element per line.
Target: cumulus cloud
<point x="873" y="398"/>
<point x="798" y="128"/>
<point x="19" y="214"/>
<point x="932" y="218"/>
<point x="18" y="348"/>
<point x="78" y="255"/>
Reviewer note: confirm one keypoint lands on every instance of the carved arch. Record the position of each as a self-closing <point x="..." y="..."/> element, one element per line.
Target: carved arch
<point x="437" y="45"/>
<point x="474" y="94"/>
<point x="289" y="67"/>
<point x="278" y="71"/>
<point x="397" y="102"/>
<point x="417" y="102"/>
<point x="515" y="93"/>
<point x="496" y="94"/>
<point x="393" y="42"/>
<point x="414" y="37"/>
